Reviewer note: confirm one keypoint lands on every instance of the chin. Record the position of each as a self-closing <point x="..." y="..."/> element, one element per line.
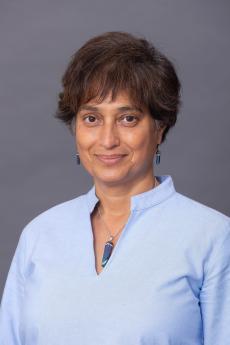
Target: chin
<point x="109" y="179"/>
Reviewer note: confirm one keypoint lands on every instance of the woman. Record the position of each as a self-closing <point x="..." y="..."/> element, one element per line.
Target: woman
<point x="131" y="261"/>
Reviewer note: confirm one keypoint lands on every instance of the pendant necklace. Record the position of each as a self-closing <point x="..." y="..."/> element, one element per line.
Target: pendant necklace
<point x="109" y="244"/>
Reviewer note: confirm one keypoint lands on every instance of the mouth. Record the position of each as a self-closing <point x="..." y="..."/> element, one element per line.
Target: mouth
<point x="110" y="159"/>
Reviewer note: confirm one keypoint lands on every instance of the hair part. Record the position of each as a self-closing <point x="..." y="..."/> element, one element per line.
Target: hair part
<point x="118" y="61"/>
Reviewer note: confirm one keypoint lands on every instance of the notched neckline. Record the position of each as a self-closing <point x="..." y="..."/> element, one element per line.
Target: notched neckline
<point x="143" y="200"/>
<point x="105" y="269"/>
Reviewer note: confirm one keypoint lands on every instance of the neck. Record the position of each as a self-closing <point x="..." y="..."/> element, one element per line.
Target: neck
<point x="115" y="200"/>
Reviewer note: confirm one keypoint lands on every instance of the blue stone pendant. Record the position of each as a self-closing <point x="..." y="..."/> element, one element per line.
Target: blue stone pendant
<point x="107" y="253"/>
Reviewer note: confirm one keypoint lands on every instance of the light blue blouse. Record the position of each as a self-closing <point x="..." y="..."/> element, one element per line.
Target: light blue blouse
<point x="167" y="281"/>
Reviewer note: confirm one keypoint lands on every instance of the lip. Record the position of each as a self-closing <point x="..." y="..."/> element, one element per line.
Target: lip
<point x="110" y="159"/>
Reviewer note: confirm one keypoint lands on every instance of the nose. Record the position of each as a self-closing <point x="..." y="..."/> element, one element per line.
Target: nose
<point x="109" y="136"/>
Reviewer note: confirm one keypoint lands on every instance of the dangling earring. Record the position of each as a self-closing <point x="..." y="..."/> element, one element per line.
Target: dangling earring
<point x="158" y="155"/>
<point x="78" y="158"/>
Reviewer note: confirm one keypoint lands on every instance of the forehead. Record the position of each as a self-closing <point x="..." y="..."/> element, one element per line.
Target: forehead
<point x="122" y="102"/>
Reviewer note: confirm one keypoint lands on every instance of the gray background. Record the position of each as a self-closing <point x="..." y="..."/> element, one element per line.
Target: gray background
<point x="37" y="38"/>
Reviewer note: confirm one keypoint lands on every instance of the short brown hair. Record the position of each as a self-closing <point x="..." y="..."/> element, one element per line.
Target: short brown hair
<point x="116" y="61"/>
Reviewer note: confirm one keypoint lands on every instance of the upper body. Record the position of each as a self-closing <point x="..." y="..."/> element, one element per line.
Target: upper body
<point x="132" y="261"/>
<point x="164" y="283"/>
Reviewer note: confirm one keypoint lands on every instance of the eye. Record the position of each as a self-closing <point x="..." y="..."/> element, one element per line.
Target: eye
<point x="129" y="119"/>
<point x="90" y="119"/>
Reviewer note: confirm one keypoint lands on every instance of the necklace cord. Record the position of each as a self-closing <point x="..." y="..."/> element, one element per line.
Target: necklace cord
<point x="111" y="237"/>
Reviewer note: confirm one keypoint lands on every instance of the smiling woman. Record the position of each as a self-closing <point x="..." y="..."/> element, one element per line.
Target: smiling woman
<point x="132" y="261"/>
<point x="114" y="140"/>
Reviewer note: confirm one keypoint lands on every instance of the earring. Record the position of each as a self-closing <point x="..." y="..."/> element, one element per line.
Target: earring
<point x="158" y="155"/>
<point x="78" y="158"/>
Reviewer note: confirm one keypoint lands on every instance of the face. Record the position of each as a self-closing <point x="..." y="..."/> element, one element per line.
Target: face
<point x="116" y="141"/>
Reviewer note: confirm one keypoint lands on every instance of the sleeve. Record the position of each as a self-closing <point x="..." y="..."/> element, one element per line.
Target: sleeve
<point x="215" y="294"/>
<point x="12" y="299"/>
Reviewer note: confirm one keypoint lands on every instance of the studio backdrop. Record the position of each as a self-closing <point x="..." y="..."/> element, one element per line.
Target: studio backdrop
<point x="38" y="166"/>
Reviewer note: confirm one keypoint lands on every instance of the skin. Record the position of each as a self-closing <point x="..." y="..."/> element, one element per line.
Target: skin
<point x="107" y="129"/>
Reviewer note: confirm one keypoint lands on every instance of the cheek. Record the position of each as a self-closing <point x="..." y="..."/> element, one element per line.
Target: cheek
<point x="141" y="141"/>
<point x="143" y="145"/>
<point x="84" y="139"/>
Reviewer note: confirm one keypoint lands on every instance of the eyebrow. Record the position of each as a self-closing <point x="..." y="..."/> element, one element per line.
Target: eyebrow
<point x="123" y="108"/>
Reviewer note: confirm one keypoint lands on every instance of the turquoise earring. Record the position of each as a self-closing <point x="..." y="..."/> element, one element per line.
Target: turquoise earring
<point x="158" y="155"/>
<point x="78" y="158"/>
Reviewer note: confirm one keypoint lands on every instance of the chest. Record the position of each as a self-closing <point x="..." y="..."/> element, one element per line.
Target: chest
<point x="150" y="287"/>
<point x="129" y="304"/>
<point x="100" y="236"/>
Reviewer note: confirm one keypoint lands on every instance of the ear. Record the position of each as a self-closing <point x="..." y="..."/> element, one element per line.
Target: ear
<point x="160" y="130"/>
<point x="73" y="126"/>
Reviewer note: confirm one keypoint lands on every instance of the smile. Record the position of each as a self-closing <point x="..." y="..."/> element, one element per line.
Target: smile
<point x="110" y="159"/>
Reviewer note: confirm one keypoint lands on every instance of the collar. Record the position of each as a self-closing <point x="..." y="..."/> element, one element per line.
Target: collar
<point x="144" y="200"/>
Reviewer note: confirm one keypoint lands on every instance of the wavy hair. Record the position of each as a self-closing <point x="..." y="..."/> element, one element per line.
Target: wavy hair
<point x="116" y="61"/>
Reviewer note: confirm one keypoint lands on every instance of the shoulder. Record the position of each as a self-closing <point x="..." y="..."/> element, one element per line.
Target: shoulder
<point x="202" y="232"/>
<point x="202" y="220"/>
<point x="181" y="208"/>
<point x="55" y="218"/>
<point x="192" y="208"/>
